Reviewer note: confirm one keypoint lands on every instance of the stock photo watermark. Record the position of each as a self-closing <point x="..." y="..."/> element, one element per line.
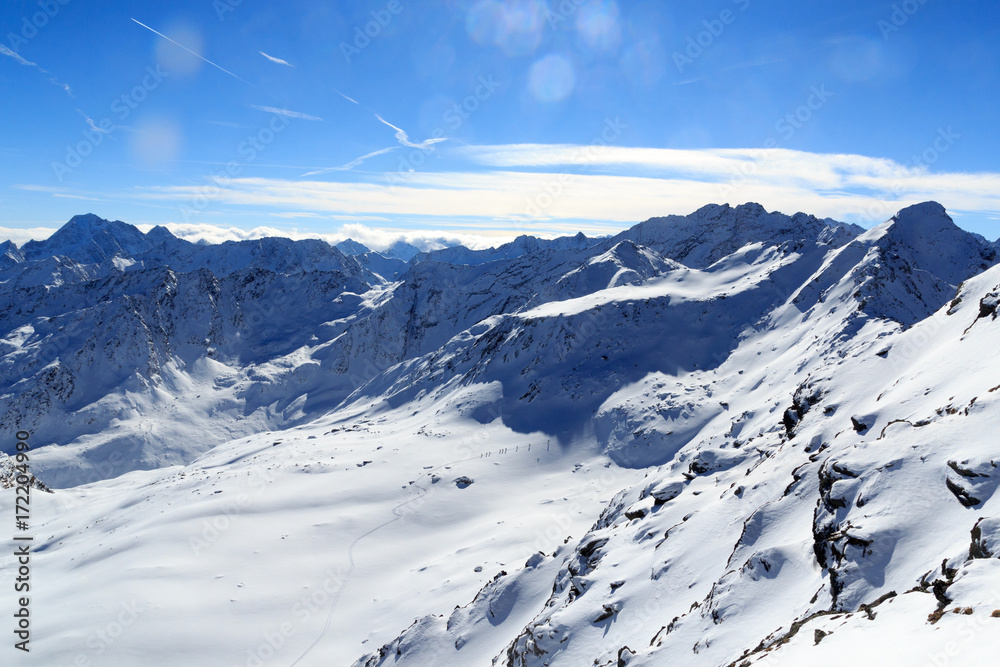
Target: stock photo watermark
<point x="300" y="613"/>
<point x="97" y="132"/>
<point x="363" y="35"/>
<point x="247" y="150"/>
<point x="452" y="119"/>
<point x="589" y="155"/>
<point x="562" y="12"/>
<point x="943" y="141"/>
<point x="223" y="7"/>
<point x="213" y="529"/>
<point x="700" y="42"/>
<point x="31" y="24"/>
<point x="900" y="16"/>
<point x="786" y="127"/>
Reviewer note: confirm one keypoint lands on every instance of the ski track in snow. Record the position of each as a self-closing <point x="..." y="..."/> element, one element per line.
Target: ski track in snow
<point x="350" y="553"/>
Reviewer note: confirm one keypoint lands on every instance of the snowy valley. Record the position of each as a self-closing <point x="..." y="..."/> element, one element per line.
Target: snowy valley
<point x="732" y="438"/>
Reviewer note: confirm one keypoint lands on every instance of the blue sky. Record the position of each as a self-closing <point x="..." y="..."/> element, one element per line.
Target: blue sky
<point x="483" y="119"/>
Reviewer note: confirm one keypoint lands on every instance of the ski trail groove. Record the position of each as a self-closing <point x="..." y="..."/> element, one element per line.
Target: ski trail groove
<point x="350" y="554"/>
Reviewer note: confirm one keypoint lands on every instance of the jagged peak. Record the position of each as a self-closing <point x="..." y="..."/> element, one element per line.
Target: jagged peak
<point x="921" y="210"/>
<point x="10" y="254"/>
<point x="925" y="220"/>
<point x="715" y="211"/>
<point x="351" y="247"/>
<point x="89" y="238"/>
<point x="716" y="230"/>
<point x="922" y="225"/>
<point x="159" y="233"/>
<point x="90" y="224"/>
<point x="401" y="250"/>
<point x="88" y="221"/>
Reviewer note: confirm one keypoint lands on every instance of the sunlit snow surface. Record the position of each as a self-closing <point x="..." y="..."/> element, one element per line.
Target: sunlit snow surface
<point x="220" y="553"/>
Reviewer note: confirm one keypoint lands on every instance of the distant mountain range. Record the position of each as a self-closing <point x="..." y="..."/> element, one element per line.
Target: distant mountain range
<point x="731" y="438"/>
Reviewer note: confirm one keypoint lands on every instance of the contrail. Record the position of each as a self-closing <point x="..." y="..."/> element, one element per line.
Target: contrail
<point x="194" y="54"/>
<point x="404" y="139"/>
<point x="349" y="99"/>
<point x="352" y="164"/>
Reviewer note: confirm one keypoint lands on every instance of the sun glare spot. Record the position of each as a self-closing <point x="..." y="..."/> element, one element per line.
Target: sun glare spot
<point x="552" y="78"/>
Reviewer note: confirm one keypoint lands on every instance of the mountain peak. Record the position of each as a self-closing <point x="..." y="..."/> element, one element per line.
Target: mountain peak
<point x="937" y="243"/>
<point x="88" y="221"/>
<point x="401" y="250"/>
<point x="926" y="218"/>
<point x="90" y="239"/>
<point x="352" y="247"/>
<point x="159" y="235"/>
<point x="927" y="208"/>
<point x="716" y="230"/>
<point x="751" y="209"/>
<point x="9" y="255"/>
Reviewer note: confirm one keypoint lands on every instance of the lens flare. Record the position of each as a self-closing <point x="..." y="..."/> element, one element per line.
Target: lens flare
<point x="514" y="26"/>
<point x="644" y="63"/>
<point x="155" y="141"/>
<point x="599" y="27"/>
<point x="484" y="22"/>
<point x="552" y="78"/>
<point x="176" y="60"/>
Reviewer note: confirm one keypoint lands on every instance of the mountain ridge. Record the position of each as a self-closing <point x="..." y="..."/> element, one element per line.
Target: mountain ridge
<point x="412" y="309"/>
<point x="571" y="453"/>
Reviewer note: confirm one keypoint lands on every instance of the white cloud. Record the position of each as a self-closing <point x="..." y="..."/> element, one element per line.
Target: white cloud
<point x="353" y="163"/>
<point x="22" y="236"/>
<point x="404" y="139"/>
<point x="63" y="195"/>
<point x="376" y="238"/>
<point x="546" y="189"/>
<point x="349" y="99"/>
<point x="12" y="54"/>
<point x="277" y="60"/>
<point x="845" y="187"/>
<point x="286" y="112"/>
<point x="226" y="123"/>
<point x="27" y="63"/>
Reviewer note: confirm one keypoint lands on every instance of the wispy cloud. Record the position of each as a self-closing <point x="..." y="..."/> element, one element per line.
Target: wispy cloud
<point x="16" y="56"/>
<point x="196" y="55"/>
<point x="285" y="112"/>
<point x="226" y="123"/>
<point x="63" y="195"/>
<point x="277" y="60"/>
<point x="90" y="122"/>
<point x="353" y="163"/>
<point x="27" y="63"/>
<point x="404" y="139"/>
<point x="820" y="170"/>
<point x="22" y="236"/>
<point x="349" y="99"/>
<point x="376" y="238"/>
<point x="645" y="183"/>
<point x="31" y="187"/>
<point x="759" y="62"/>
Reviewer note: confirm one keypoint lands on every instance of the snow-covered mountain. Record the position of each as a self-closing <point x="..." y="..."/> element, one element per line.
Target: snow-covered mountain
<point x="731" y="438"/>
